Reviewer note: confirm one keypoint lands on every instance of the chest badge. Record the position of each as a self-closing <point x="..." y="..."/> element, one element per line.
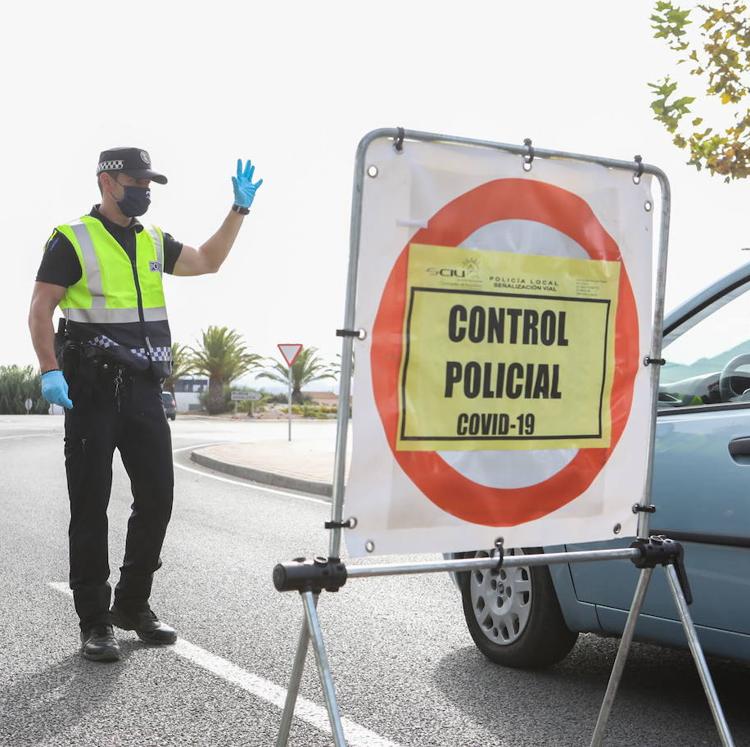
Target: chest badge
<point x="154" y="266"/>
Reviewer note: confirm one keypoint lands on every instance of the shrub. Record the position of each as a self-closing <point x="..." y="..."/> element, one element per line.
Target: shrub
<point x="18" y="384"/>
<point x="247" y="406"/>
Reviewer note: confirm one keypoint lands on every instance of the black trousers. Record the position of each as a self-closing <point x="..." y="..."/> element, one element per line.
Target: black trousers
<point x="114" y="410"/>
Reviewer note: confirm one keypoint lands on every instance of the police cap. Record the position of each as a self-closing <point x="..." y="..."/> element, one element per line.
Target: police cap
<point x="131" y="161"/>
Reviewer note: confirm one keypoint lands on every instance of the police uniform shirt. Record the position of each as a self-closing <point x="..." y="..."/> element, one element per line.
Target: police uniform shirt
<point x="60" y="265"/>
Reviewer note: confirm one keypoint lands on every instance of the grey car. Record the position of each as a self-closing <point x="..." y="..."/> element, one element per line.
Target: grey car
<point x="530" y="617"/>
<point x="170" y="405"/>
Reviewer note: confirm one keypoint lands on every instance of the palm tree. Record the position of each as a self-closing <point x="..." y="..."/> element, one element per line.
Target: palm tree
<point x="222" y="357"/>
<point x="308" y="367"/>
<point x="182" y="364"/>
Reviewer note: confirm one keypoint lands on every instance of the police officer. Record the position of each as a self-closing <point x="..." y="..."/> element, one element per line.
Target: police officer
<point x="105" y="366"/>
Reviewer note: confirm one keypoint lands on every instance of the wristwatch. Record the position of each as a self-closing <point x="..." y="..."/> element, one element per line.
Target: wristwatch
<point x="239" y="209"/>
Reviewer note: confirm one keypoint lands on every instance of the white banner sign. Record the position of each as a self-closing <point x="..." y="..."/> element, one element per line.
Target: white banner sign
<point x="500" y="390"/>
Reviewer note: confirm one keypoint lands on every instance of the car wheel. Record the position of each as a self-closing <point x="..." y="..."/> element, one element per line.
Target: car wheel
<point x="513" y="614"/>
<point x="173" y="417"/>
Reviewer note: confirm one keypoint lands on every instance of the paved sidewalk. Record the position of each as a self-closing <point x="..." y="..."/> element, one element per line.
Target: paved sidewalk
<point x="303" y="464"/>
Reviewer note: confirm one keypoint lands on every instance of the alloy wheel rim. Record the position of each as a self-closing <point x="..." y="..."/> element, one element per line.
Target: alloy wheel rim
<point x="501" y="600"/>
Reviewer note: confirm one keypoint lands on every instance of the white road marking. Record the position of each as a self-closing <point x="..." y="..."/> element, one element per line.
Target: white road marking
<point x="253" y="486"/>
<point x="28" y="435"/>
<point x="196" y="446"/>
<point x="315" y="715"/>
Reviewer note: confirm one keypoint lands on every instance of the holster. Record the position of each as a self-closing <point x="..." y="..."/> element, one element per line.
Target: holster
<point x="95" y="380"/>
<point x="60" y="338"/>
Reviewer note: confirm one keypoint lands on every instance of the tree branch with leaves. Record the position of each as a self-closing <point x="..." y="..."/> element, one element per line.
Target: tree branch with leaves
<point x="717" y="53"/>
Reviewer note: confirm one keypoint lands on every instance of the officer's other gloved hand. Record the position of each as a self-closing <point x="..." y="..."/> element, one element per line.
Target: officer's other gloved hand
<point x="55" y="389"/>
<point x="244" y="189"/>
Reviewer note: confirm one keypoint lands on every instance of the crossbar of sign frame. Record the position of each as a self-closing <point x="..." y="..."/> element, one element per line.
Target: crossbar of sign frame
<point x="499" y="390"/>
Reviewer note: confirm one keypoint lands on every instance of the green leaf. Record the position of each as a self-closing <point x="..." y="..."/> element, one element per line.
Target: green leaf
<point x="683" y="103"/>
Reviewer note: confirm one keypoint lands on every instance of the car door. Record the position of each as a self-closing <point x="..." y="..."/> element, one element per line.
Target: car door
<point x="701" y="485"/>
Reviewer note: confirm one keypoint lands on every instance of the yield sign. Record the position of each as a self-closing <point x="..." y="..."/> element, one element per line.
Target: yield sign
<point x="290" y="351"/>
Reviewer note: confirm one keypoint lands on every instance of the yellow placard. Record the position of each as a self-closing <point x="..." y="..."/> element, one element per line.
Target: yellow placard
<point x="506" y="351"/>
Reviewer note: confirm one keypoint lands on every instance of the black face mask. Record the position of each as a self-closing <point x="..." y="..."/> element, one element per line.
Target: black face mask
<point x="135" y="201"/>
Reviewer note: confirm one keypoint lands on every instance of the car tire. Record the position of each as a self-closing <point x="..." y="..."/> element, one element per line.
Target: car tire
<point x="173" y="417"/>
<point x="513" y="614"/>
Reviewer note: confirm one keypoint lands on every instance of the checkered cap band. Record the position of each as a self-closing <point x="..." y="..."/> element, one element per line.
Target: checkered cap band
<point x="110" y="166"/>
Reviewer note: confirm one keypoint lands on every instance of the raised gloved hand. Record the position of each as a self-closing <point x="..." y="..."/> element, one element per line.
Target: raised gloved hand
<point x="244" y="189"/>
<point x="55" y="389"/>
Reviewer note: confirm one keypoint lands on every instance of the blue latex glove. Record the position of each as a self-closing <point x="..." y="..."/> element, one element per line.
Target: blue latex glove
<point x="55" y="389"/>
<point x="244" y="189"/>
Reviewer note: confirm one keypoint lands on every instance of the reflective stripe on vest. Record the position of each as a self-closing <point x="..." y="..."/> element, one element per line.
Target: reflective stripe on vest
<point x="114" y="316"/>
<point x="91" y="264"/>
<point x="158" y="240"/>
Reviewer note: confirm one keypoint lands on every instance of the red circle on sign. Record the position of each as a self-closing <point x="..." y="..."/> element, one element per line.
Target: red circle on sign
<point x="503" y="199"/>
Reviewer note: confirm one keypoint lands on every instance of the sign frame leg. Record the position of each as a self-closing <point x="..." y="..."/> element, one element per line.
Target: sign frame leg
<point x="700" y="660"/>
<point x="294" y="683"/>
<point x="622" y="654"/>
<point x="324" y="668"/>
<point x="310" y="577"/>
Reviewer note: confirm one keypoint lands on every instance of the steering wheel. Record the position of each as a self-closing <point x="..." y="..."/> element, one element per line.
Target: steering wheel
<point x="726" y="392"/>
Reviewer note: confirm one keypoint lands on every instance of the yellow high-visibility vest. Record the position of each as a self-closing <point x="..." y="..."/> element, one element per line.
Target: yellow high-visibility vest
<point x="114" y="293"/>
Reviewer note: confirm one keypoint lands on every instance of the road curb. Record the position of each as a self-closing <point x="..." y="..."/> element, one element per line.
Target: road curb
<point x="262" y="476"/>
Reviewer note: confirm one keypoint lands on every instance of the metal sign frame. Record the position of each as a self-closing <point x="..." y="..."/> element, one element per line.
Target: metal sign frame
<point x="310" y="578"/>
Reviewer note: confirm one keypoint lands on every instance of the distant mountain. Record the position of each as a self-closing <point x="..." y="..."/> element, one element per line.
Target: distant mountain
<point x="679" y="371"/>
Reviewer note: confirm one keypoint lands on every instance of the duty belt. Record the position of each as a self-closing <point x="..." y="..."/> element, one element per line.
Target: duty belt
<point x="96" y="369"/>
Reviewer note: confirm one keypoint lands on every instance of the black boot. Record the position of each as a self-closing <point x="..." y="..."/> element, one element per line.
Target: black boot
<point x="98" y="643"/>
<point x="145" y="623"/>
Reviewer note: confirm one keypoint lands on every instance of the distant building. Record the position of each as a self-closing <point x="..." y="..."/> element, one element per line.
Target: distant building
<point x="187" y="392"/>
<point x="322" y="398"/>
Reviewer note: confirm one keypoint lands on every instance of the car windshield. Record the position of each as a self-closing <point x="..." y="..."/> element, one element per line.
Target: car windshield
<point x="167" y="399"/>
<point x="709" y="363"/>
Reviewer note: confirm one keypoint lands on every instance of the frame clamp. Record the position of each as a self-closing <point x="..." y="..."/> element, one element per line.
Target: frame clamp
<point x="348" y="524"/>
<point x="660" y="550"/>
<point x="649" y="361"/>
<point x="499" y="552"/>
<point x="360" y="334"/>
<point x="310" y="575"/>
<point x="638" y="169"/>
<point x="528" y="157"/>
<point x="398" y="142"/>
<point x="640" y="509"/>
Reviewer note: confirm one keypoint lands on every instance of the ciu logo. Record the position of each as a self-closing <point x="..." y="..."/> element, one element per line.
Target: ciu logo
<point x="468" y="268"/>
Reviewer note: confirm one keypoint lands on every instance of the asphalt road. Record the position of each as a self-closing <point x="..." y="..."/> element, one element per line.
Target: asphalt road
<point x="405" y="668"/>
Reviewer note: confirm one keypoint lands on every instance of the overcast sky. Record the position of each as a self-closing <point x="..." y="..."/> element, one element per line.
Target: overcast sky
<point x="294" y="86"/>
